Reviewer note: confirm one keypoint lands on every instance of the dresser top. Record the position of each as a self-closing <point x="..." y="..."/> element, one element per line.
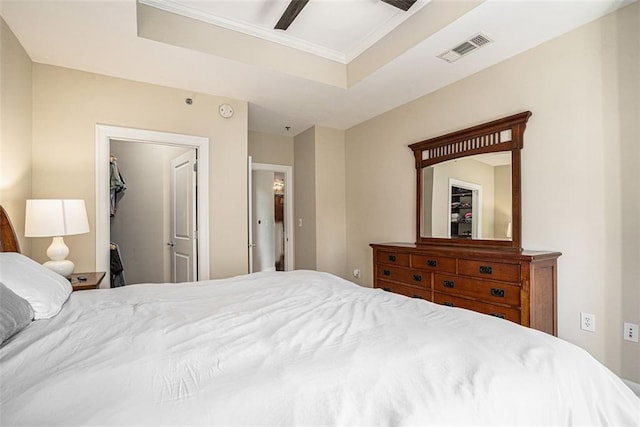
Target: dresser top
<point x="469" y="251"/>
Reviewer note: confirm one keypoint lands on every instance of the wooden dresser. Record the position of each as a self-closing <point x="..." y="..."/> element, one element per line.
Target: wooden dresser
<point x="519" y="286"/>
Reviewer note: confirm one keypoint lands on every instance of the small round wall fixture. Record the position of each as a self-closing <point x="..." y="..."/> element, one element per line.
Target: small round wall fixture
<point x="226" y="111"/>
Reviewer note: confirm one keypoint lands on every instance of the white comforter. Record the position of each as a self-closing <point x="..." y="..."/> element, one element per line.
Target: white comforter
<point x="298" y="348"/>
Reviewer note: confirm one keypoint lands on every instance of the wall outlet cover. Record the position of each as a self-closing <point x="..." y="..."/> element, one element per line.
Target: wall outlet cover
<point x="631" y="332"/>
<point x="588" y="322"/>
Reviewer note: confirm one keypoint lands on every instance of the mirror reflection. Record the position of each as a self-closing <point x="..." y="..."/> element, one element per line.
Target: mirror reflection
<point x="468" y="198"/>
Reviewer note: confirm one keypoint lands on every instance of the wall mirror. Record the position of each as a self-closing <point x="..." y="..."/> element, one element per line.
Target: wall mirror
<point x="468" y="185"/>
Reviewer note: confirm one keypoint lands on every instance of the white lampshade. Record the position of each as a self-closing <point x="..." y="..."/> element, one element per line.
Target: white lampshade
<point x="56" y="218"/>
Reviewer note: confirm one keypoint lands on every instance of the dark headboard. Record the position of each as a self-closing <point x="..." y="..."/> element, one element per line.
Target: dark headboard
<point x="8" y="240"/>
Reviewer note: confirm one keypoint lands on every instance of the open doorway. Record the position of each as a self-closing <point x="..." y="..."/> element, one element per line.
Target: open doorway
<point x="152" y="224"/>
<point x="105" y="135"/>
<point x="270" y="218"/>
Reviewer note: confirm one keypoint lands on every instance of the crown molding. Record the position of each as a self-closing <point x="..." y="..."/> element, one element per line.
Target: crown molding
<point x="245" y="28"/>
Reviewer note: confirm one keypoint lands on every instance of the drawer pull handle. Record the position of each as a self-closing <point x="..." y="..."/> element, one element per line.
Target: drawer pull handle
<point x="386" y="289"/>
<point x="448" y="304"/>
<point x="486" y="269"/>
<point x="448" y="283"/>
<point x="392" y="258"/>
<point x="418" y="296"/>
<point x="498" y="315"/>
<point x="495" y="292"/>
<point x="386" y="272"/>
<point x="417" y="278"/>
<point x="432" y="263"/>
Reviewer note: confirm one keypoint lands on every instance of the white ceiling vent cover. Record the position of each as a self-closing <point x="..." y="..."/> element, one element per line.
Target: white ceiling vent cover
<point x="465" y="48"/>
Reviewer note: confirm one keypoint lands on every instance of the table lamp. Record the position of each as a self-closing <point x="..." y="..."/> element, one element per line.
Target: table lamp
<point x="56" y="218"/>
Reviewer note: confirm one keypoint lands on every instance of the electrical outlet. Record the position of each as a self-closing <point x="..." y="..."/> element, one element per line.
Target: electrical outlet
<point x="356" y="273"/>
<point x="631" y="332"/>
<point x="588" y="322"/>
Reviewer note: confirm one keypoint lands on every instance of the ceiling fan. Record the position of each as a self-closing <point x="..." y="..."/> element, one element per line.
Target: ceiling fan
<point x="295" y="6"/>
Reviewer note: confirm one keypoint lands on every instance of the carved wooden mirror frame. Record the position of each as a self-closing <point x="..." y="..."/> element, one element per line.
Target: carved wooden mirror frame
<point x="506" y="134"/>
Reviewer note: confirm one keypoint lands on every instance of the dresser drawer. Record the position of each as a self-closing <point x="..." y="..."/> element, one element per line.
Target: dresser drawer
<point x="433" y="263"/>
<point x="484" y="279"/>
<point x="404" y="275"/>
<point x="489" y="270"/>
<point x="393" y="258"/>
<point x="512" y="314"/>
<point x="485" y="290"/>
<point x="408" y="291"/>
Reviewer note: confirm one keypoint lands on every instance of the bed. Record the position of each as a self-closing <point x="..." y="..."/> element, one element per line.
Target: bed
<point x="286" y="348"/>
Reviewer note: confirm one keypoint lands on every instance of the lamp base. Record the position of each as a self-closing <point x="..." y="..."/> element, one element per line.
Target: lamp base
<point x="57" y="253"/>
<point x="63" y="268"/>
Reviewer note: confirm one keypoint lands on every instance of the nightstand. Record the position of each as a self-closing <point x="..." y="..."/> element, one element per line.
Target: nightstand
<point x="92" y="280"/>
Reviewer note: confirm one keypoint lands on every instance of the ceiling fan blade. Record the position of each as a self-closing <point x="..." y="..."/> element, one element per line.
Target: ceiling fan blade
<point x="290" y="14"/>
<point x="401" y="4"/>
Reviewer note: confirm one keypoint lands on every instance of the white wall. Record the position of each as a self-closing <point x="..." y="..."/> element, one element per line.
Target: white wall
<point x="580" y="171"/>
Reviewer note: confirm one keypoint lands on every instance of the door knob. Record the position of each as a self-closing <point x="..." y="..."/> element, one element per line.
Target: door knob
<point x="171" y="244"/>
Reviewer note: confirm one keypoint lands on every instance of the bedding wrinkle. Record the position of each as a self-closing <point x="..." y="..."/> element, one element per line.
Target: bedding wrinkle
<point x="181" y="385"/>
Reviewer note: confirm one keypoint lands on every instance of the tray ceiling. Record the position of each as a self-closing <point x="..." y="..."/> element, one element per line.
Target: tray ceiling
<point x="385" y="57"/>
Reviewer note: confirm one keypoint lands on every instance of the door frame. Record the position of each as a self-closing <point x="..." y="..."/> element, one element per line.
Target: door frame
<point x="104" y="135"/>
<point x="289" y="256"/>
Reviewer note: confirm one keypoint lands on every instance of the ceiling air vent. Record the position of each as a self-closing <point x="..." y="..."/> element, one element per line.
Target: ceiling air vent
<point x="464" y="48"/>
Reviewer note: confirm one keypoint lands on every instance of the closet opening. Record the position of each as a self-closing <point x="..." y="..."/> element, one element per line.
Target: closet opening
<point x="153" y="210"/>
<point x="130" y="148"/>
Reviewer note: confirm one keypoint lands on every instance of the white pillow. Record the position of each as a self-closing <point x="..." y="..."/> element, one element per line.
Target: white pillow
<point x="45" y="290"/>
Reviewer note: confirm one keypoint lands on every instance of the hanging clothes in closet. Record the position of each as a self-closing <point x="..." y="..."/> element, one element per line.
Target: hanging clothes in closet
<point x="117" y="186"/>
<point x="116" y="267"/>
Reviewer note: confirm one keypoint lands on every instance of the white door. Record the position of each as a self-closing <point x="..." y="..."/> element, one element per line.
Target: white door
<point x="250" y="213"/>
<point x="263" y="224"/>
<point x="183" y="233"/>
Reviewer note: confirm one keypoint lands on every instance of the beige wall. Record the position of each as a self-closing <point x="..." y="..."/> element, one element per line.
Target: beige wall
<point x="331" y="216"/>
<point x="580" y="171"/>
<point x="502" y="200"/>
<point x="270" y="148"/>
<point x="320" y="200"/>
<point x="304" y="200"/>
<point x="623" y="50"/>
<point x="68" y="104"/>
<point x="15" y="131"/>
